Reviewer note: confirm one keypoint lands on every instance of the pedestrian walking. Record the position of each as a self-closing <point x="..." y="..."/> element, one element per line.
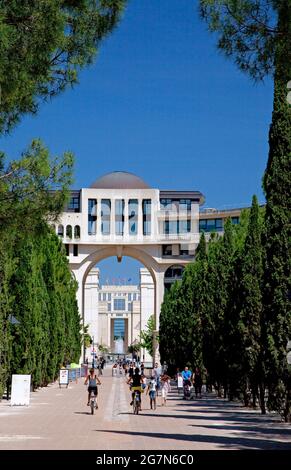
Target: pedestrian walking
<point x="152" y="390"/>
<point x="197" y="381"/>
<point x="166" y="387"/>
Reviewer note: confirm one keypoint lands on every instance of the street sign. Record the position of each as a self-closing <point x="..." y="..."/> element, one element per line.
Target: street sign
<point x="64" y="377"/>
<point x="20" y="392"/>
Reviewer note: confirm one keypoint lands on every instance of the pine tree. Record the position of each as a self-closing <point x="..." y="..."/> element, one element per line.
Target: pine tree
<point x="43" y="47"/>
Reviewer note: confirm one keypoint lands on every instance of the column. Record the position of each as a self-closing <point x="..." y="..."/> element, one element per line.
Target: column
<point x="112" y="219"/>
<point x="98" y="226"/>
<point x="126" y="221"/>
<point x="159" y="297"/>
<point x="140" y="220"/>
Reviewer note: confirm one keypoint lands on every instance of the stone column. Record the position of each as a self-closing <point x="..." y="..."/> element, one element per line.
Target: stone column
<point x="112" y="219"/>
<point x="126" y="220"/>
<point x="140" y="220"/>
<point x="98" y="226"/>
<point x="159" y="297"/>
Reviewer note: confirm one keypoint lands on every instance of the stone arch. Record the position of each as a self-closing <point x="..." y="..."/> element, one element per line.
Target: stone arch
<point x="134" y="252"/>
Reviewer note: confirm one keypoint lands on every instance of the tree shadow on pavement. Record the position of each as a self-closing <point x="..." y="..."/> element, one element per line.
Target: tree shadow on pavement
<point x="226" y="442"/>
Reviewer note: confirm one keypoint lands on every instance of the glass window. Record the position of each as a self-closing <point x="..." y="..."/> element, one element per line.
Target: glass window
<point x="119" y="216"/>
<point x="166" y="204"/>
<point x="170" y="227"/>
<point x="129" y="306"/>
<point x="132" y="216"/>
<point x="109" y="297"/>
<point x="119" y="328"/>
<point x="129" y="297"/>
<point x="185" y="204"/>
<point x="69" y="231"/>
<point x="92" y="216"/>
<point x="105" y="216"/>
<point x="60" y="230"/>
<point x="235" y="220"/>
<point x="119" y="304"/>
<point x="134" y="296"/>
<point x="75" y="250"/>
<point x="146" y="210"/>
<point x="67" y="248"/>
<point x="74" y="204"/>
<point x="109" y="307"/>
<point x="100" y="298"/>
<point x="77" y="231"/>
<point x="167" y="250"/>
<point x="218" y="224"/>
<point x="104" y="296"/>
<point x="210" y="225"/>
<point x="184" y="226"/>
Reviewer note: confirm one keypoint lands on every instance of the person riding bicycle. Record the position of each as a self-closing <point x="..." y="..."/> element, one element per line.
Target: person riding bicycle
<point x="93" y="381"/>
<point x="135" y="384"/>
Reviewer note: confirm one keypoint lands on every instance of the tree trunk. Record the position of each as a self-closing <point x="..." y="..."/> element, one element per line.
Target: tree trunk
<point x="262" y="399"/>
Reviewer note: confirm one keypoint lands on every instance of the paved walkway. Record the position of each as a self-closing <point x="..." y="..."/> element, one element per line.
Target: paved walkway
<point x="59" y="419"/>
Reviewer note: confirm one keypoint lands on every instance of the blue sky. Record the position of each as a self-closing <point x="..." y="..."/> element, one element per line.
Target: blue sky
<point x="162" y="102"/>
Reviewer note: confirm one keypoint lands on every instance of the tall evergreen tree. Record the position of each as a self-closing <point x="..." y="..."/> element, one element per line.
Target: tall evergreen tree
<point x="277" y="184"/>
<point x="257" y="34"/>
<point x="248" y="308"/>
<point x="43" y="46"/>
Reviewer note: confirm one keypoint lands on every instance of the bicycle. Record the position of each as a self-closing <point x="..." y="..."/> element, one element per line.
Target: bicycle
<point x="93" y="402"/>
<point x="136" y="403"/>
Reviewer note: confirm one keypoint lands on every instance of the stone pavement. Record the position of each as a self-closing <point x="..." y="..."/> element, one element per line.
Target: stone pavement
<point x="58" y="418"/>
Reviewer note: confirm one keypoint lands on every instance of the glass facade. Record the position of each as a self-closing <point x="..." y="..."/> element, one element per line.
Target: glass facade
<point x="105" y="216"/>
<point x="119" y="304"/>
<point x="119" y="216"/>
<point x="74" y="204"/>
<point x="177" y="226"/>
<point x="147" y="216"/>
<point x="133" y="216"/>
<point x="176" y="204"/>
<point x="92" y="216"/>
<point x="119" y="328"/>
<point x="210" y="225"/>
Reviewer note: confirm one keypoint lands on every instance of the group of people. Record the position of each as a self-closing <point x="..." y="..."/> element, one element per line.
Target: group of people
<point x="159" y="381"/>
<point x="191" y="378"/>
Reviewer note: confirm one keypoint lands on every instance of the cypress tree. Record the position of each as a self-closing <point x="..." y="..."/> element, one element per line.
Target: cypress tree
<point x="277" y="182"/>
<point x="249" y="307"/>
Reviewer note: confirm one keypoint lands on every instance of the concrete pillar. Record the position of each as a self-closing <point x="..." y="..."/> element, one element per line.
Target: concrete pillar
<point x="91" y="289"/>
<point x="140" y="220"/>
<point x="98" y="227"/>
<point x="147" y="304"/>
<point x="112" y="219"/>
<point x="126" y="220"/>
<point x="159" y="297"/>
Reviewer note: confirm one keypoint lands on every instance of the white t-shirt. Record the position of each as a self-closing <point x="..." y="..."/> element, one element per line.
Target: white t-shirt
<point x="152" y="385"/>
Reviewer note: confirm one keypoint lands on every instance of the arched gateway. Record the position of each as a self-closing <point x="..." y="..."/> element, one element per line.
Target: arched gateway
<point x="120" y="215"/>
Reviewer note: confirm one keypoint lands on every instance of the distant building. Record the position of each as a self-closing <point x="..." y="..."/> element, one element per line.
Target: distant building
<point x="120" y="215"/>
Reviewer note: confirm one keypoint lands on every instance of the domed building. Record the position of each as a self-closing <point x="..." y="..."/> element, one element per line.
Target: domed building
<point x="121" y="215"/>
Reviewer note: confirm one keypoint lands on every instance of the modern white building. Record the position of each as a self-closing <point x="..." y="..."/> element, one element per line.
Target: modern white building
<point x="119" y="312"/>
<point x="120" y="215"/>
